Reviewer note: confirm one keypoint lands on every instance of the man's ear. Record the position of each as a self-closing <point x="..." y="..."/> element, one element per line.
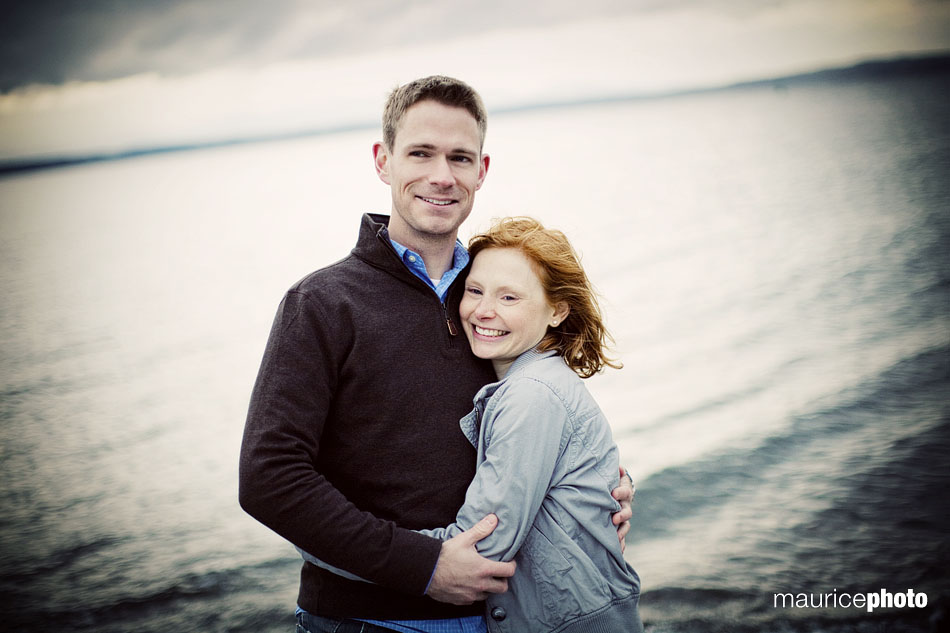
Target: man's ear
<point x="482" y="170"/>
<point x="381" y="159"/>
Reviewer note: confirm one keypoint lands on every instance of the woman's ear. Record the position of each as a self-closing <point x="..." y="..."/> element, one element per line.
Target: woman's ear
<point x="561" y="310"/>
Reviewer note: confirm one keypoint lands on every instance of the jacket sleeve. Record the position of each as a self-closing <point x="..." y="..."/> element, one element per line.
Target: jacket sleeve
<point x="524" y="439"/>
<point x="279" y="483"/>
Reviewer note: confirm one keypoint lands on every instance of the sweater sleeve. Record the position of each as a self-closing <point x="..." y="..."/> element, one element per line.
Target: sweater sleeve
<point x="523" y="443"/>
<point x="279" y="483"/>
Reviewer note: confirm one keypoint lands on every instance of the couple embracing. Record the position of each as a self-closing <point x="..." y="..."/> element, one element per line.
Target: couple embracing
<point x="419" y="428"/>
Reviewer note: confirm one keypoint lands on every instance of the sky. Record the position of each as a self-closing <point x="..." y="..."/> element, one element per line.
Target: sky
<point x="87" y="76"/>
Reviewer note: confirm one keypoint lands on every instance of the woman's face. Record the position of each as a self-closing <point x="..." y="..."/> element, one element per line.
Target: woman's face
<point x="505" y="310"/>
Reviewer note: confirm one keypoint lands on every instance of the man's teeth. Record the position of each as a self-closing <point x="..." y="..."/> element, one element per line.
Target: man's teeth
<point x="440" y="203"/>
<point x="487" y="332"/>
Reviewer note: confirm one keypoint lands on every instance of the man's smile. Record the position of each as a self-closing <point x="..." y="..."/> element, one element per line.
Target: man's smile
<point x="437" y="202"/>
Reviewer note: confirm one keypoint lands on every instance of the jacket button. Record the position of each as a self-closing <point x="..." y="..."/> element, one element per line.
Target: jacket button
<point x="498" y="614"/>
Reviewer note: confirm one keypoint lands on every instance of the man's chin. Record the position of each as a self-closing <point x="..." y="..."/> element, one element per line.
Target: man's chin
<point x="433" y="223"/>
<point x="440" y="226"/>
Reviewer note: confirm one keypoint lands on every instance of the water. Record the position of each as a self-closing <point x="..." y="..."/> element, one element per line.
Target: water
<point x="775" y="266"/>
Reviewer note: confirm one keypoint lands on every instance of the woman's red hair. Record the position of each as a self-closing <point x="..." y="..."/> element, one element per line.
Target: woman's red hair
<point x="581" y="339"/>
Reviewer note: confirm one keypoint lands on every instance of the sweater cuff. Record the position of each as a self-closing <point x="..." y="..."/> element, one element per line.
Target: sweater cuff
<point x="415" y="568"/>
<point x="429" y="584"/>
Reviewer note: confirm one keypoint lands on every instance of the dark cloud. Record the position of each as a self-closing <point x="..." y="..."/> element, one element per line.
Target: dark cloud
<point x="46" y="41"/>
<point x="52" y="41"/>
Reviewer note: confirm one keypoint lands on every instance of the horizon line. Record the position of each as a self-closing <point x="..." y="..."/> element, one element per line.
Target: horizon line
<point x="872" y="68"/>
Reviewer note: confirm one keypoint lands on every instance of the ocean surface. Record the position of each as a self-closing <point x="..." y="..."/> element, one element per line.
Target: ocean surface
<point x="774" y="262"/>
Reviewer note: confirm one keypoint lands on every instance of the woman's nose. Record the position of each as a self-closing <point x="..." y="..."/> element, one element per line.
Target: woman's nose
<point x="485" y="308"/>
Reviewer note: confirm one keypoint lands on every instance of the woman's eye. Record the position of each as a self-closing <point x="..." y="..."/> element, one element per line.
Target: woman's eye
<point x="510" y="298"/>
<point x="473" y="291"/>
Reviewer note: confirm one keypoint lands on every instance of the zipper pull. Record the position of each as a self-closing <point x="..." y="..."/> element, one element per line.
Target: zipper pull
<point x="453" y="331"/>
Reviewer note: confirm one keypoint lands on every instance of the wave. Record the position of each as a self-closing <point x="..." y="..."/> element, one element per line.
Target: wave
<point x="851" y="496"/>
<point x="178" y="602"/>
<point x="678" y="492"/>
<point x="671" y="494"/>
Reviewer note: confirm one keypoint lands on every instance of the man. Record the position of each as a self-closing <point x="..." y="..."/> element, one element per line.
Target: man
<point x="353" y="427"/>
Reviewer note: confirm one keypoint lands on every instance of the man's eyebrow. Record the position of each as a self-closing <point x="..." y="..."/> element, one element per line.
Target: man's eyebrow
<point x="429" y="146"/>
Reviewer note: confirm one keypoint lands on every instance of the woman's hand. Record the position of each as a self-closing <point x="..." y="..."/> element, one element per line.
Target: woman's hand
<point x="624" y="494"/>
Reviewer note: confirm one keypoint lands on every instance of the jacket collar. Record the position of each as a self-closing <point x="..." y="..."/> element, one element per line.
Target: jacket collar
<point x="471" y="423"/>
<point x="375" y="248"/>
<point x="373" y="245"/>
<point x="520" y="363"/>
<point x="526" y="359"/>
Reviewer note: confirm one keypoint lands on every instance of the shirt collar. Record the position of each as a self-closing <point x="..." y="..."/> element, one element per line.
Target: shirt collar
<point x="414" y="262"/>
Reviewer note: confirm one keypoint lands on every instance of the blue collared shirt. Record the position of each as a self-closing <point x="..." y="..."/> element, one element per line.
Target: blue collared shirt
<point x="417" y="267"/>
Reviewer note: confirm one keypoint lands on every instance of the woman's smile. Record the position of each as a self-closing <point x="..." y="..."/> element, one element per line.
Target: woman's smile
<point x="481" y="331"/>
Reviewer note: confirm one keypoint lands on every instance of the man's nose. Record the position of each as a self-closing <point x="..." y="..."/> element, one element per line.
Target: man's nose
<point x="441" y="173"/>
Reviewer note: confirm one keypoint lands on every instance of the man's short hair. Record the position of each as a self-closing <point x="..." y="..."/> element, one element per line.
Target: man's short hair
<point x="438" y="88"/>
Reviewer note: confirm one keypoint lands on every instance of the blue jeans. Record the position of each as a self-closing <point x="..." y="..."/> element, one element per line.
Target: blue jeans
<point x="309" y="623"/>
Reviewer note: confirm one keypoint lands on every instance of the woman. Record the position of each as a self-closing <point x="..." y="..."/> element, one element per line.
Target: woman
<point x="546" y="460"/>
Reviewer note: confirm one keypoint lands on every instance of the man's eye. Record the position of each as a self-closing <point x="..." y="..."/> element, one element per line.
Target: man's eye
<point x="461" y="159"/>
<point x="418" y="153"/>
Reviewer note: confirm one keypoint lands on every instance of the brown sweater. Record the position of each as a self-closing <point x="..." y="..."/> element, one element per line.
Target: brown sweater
<point x="353" y="429"/>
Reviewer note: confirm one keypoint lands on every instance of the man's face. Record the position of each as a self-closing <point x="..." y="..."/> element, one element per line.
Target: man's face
<point x="434" y="169"/>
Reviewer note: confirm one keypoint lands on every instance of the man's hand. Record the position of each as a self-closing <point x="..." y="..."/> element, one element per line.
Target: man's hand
<point x="462" y="575"/>
<point x="624" y="494"/>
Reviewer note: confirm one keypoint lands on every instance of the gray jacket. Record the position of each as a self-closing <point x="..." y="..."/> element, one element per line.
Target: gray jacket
<point x="546" y="465"/>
